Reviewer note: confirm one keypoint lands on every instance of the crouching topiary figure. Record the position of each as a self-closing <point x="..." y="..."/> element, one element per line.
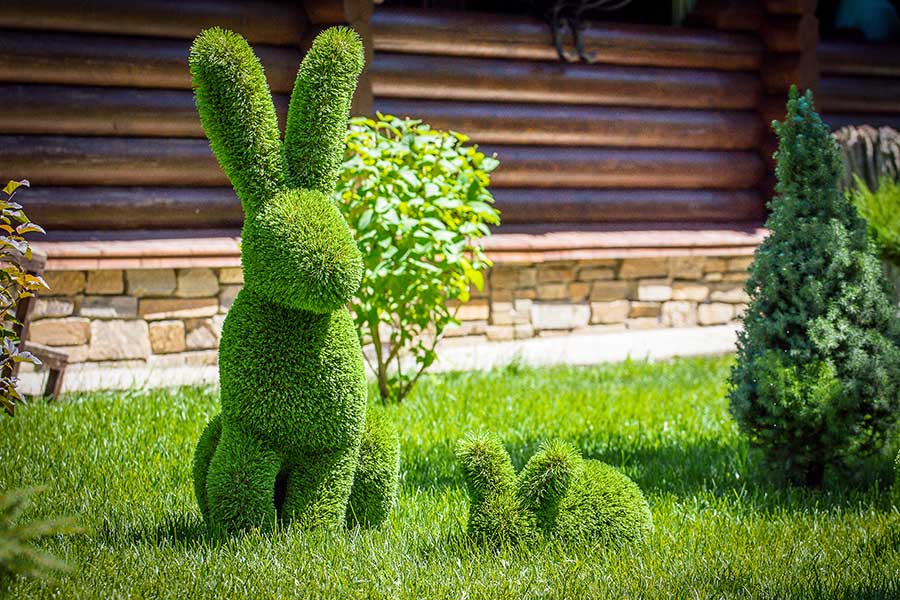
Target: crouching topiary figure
<point x="292" y="440"/>
<point x="557" y="493"/>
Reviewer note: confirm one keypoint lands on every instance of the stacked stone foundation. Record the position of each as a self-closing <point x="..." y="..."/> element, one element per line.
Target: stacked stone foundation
<point x="164" y="318"/>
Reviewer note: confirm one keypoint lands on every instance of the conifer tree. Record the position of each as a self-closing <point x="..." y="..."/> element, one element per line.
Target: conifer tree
<point x="818" y="365"/>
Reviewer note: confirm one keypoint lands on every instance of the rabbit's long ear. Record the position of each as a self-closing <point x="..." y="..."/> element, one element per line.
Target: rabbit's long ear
<point x="237" y="113"/>
<point x="320" y="106"/>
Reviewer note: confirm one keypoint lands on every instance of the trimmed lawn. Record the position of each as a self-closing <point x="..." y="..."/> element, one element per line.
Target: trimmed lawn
<point x="121" y="463"/>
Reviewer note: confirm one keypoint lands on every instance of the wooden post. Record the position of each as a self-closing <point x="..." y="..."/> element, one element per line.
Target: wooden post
<point x="358" y="15"/>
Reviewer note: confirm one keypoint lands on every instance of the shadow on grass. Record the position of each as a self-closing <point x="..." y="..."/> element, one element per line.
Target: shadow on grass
<point x="187" y="531"/>
<point x="711" y="466"/>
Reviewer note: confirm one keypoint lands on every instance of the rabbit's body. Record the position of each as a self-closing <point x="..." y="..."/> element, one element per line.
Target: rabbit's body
<point x="294" y="440"/>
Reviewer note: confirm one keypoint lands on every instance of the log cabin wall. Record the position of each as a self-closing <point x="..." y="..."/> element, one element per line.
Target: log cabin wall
<point x="663" y="127"/>
<point x="98" y="113"/>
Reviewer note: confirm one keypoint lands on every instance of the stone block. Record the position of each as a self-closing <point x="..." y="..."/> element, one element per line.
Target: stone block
<point x="154" y="309"/>
<point x="711" y="265"/>
<point x="196" y="283"/>
<point x="717" y="276"/>
<point x="615" y="311"/>
<point x="610" y="290"/>
<point x="739" y="263"/>
<point x="686" y="267"/>
<point x="504" y="277"/>
<point x="737" y="276"/>
<point x="110" y="281"/>
<point x="642" y="323"/>
<point x="496" y="333"/>
<point x="552" y="291"/>
<point x="549" y="273"/>
<point x="679" y="313"/>
<point x="72" y="331"/>
<point x="75" y="354"/>
<point x="52" y="307"/>
<point x="733" y="295"/>
<point x="119" y="340"/>
<point x="654" y="290"/>
<point x="109" y="307"/>
<point x="688" y="290"/>
<point x="200" y="334"/>
<point x="644" y="309"/>
<point x="227" y="294"/>
<point x="527" y="277"/>
<point x="559" y="316"/>
<point x="596" y="273"/>
<point x="150" y="282"/>
<point x="167" y="336"/>
<point x="64" y="283"/>
<point x="231" y="275"/>
<point x="474" y="310"/>
<point x="714" y="313"/>
<point x="579" y="291"/>
<point x="638" y="268"/>
<point x="523" y="331"/>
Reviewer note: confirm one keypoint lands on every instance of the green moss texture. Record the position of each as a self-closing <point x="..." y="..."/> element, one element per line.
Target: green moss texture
<point x="293" y="441"/>
<point x="557" y="494"/>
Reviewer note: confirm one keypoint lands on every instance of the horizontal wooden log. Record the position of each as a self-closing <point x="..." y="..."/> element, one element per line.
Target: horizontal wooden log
<point x="123" y="208"/>
<point x="74" y="110"/>
<point x="566" y="125"/>
<point x="58" y="208"/>
<point x="530" y="166"/>
<point x="790" y="33"/>
<point x="81" y="161"/>
<point x="90" y="60"/>
<point x="521" y="206"/>
<point x="432" y="77"/>
<point x="855" y="58"/>
<point x="501" y="36"/>
<point x="859" y="95"/>
<point x="260" y="21"/>
<point x="838" y="120"/>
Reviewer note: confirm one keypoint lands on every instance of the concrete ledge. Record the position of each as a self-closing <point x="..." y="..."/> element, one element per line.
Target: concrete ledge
<point x="574" y="349"/>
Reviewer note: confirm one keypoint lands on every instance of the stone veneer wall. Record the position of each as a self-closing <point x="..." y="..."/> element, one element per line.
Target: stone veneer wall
<point x="173" y="317"/>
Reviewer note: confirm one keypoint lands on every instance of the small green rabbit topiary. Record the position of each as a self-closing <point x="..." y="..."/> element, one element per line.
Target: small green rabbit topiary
<point x="293" y="436"/>
<point x="557" y="493"/>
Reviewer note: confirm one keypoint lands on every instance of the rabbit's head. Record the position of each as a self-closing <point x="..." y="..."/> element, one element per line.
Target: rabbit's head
<point x="297" y="249"/>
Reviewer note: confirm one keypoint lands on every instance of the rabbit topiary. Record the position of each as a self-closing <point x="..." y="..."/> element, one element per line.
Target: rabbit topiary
<point x="557" y="493"/>
<point x="289" y="441"/>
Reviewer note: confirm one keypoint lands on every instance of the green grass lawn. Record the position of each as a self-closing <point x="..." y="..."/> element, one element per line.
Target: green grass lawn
<point x="121" y="463"/>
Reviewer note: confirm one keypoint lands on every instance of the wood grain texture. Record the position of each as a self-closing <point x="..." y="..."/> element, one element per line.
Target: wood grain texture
<point x="444" y="78"/>
<point x="497" y="36"/>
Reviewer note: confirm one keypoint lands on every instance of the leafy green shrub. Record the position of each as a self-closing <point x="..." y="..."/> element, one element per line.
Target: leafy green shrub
<point x="881" y="210"/>
<point x="557" y="493"/>
<point x="17" y="554"/>
<point x="815" y="382"/>
<point x="287" y="444"/>
<point x="15" y="284"/>
<point x="896" y="488"/>
<point x="418" y="202"/>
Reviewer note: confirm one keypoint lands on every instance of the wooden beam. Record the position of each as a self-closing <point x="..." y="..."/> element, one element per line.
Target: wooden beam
<point x="594" y="206"/>
<point x="579" y="125"/>
<point x="852" y="58"/>
<point x="260" y="21"/>
<point x="727" y="15"/>
<point x="57" y="208"/>
<point x="838" y="120"/>
<point x="335" y="12"/>
<point x="74" y="110"/>
<point x="790" y="33"/>
<point x="859" y="95"/>
<point x="790" y="7"/>
<point x="430" y="77"/>
<point x="82" y="161"/>
<point x="78" y="59"/>
<point x="496" y="36"/>
<point x="554" y="167"/>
